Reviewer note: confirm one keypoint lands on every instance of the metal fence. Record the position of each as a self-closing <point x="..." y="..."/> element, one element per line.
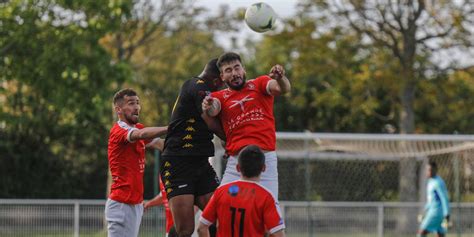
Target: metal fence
<point x="20" y="217"/>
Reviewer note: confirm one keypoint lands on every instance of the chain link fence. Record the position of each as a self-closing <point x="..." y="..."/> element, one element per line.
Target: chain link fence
<point x="331" y="185"/>
<point x="35" y="218"/>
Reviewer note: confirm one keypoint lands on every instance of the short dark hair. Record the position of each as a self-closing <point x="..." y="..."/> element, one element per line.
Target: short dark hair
<point x="120" y="95"/>
<point x="251" y="161"/>
<point x="433" y="165"/>
<point x="211" y="67"/>
<point x="227" y="57"/>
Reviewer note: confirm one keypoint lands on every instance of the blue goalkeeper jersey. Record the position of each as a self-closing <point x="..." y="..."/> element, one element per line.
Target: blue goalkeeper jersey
<point x="437" y="197"/>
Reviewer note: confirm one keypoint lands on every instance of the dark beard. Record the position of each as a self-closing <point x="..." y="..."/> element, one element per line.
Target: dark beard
<point x="130" y="120"/>
<point x="239" y="87"/>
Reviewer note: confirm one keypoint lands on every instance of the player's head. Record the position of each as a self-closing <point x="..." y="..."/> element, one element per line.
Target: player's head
<point x="127" y="105"/>
<point x="231" y="70"/>
<point x="432" y="169"/>
<point x="211" y="75"/>
<point x="251" y="161"/>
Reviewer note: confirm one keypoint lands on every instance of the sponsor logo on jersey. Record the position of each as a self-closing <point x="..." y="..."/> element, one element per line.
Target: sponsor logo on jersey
<point x="241" y="102"/>
<point x="188" y="137"/>
<point x="233" y="190"/>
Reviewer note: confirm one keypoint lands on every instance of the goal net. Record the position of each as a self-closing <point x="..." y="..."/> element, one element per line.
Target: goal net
<point x="349" y="177"/>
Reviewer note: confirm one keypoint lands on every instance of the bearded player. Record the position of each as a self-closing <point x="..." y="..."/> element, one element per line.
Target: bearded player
<point x="245" y="111"/>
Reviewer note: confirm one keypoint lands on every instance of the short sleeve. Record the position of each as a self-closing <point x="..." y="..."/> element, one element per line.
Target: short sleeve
<point x="272" y="219"/>
<point x="217" y="95"/>
<point x="262" y="84"/>
<point x="119" y="135"/>
<point x="209" y="215"/>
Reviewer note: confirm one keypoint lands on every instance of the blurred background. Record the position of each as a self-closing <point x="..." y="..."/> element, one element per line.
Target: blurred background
<point x="377" y="67"/>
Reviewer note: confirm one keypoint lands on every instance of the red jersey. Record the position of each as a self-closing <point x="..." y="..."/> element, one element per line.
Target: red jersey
<point x="126" y="163"/>
<point x="169" y="216"/>
<point x="243" y="208"/>
<point x="247" y="115"/>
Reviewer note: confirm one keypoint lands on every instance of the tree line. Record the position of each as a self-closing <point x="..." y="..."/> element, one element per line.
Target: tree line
<point x="354" y="67"/>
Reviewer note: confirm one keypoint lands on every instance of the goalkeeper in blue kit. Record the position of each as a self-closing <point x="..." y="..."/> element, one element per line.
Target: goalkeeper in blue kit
<point x="437" y="206"/>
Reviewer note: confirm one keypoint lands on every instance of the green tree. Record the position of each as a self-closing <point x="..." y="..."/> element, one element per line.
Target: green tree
<point x="410" y="30"/>
<point x="56" y="86"/>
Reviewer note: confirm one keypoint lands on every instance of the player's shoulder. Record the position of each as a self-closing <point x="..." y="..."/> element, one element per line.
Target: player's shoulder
<point x="262" y="189"/>
<point x="263" y="77"/>
<point x="123" y="126"/>
<point x="259" y="188"/>
<point x="196" y="84"/>
<point x="259" y="79"/>
<point x="221" y="93"/>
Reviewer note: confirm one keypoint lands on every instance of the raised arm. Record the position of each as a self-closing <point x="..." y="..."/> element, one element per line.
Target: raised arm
<point x="281" y="84"/>
<point x="211" y="106"/>
<point x="147" y="133"/>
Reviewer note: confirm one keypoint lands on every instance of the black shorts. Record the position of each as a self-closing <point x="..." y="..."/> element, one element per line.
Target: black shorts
<point x="187" y="175"/>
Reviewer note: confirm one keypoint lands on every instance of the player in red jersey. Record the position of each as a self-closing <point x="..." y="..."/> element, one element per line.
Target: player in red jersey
<point x="243" y="207"/>
<point x="161" y="199"/>
<point x="126" y="154"/>
<point x="245" y="110"/>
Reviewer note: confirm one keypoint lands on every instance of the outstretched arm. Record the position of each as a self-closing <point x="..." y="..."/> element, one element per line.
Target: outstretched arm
<point x="147" y="133"/>
<point x="281" y="84"/>
<point x="157" y="144"/>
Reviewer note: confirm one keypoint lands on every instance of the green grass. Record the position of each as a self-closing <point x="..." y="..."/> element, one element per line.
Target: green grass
<point x="151" y="234"/>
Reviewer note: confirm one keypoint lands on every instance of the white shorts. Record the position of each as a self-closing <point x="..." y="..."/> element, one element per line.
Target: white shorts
<point x="269" y="178"/>
<point x="123" y="220"/>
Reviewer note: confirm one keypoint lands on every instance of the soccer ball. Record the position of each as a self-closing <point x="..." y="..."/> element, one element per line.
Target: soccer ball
<point x="260" y="17"/>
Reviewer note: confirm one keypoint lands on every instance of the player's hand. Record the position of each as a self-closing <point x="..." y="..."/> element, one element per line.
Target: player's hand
<point x="277" y="72"/>
<point x="146" y="206"/>
<point x="207" y="103"/>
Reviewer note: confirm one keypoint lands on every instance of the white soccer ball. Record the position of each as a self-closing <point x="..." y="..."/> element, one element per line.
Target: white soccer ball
<point x="260" y="17"/>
